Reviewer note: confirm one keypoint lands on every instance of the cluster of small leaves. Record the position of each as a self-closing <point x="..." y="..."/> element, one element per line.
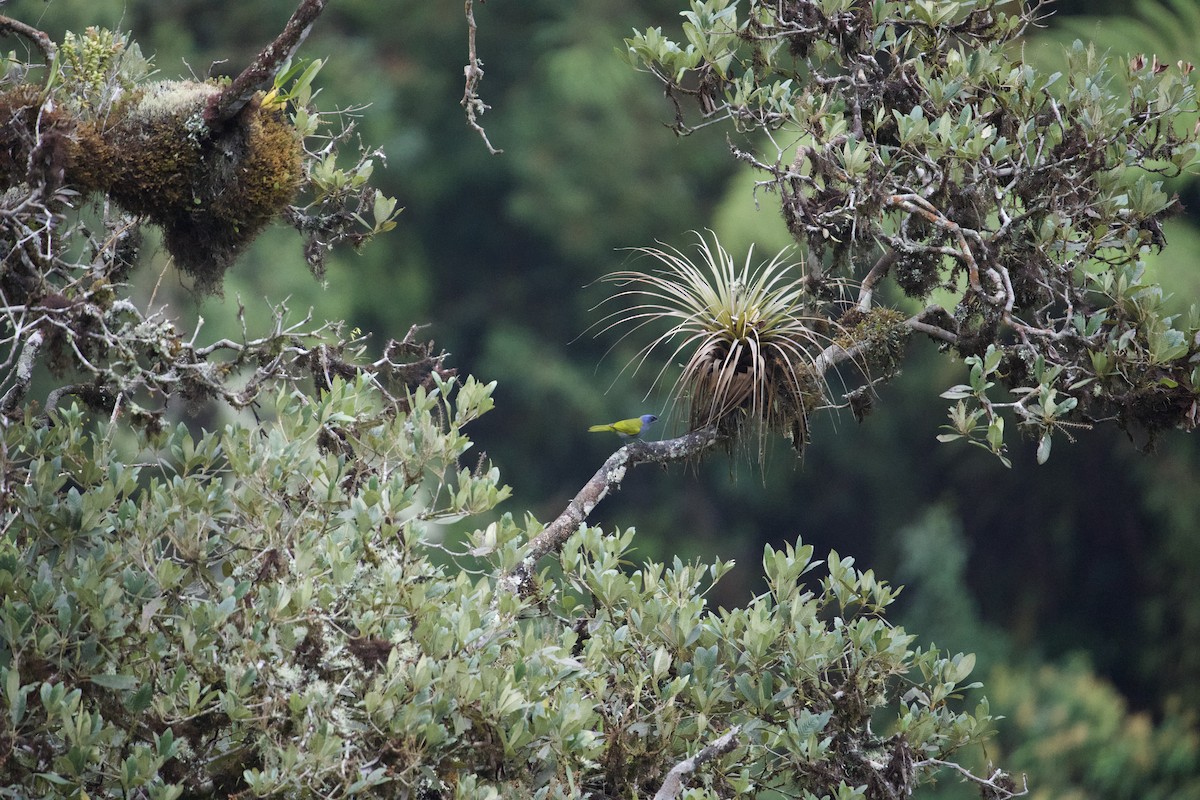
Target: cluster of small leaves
<point x="276" y="610"/>
<point x="214" y="613"/>
<point x="341" y="205"/>
<point x="905" y="140"/>
<point x="976" y="417"/>
<point x="95" y="69"/>
<point x="803" y="672"/>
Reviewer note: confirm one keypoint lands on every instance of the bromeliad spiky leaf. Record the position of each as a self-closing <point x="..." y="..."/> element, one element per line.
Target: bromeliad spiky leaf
<point x="746" y="335"/>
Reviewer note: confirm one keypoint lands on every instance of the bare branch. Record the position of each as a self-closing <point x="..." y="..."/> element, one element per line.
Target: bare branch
<point x="473" y="72"/>
<point x="673" y="785"/>
<point x="606" y="480"/>
<point x="999" y="785"/>
<point x="920" y="324"/>
<point x="24" y="374"/>
<point x="42" y="40"/>
<point x="877" y="273"/>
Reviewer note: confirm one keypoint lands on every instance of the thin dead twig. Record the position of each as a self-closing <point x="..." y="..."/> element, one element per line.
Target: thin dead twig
<point x="473" y="72"/>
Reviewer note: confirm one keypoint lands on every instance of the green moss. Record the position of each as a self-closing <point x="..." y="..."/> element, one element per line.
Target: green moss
<point x="881" y="336"/>
<point x="211" y="192"/>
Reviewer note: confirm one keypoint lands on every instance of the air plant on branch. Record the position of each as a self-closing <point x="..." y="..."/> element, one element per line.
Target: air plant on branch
<point x="748" y="337"/>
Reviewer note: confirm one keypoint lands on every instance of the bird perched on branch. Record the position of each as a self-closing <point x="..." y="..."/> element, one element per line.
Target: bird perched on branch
<point x="628" y="427"/>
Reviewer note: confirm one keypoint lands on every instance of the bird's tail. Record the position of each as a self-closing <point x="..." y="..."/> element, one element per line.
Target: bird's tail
<point x="596" y="428"/>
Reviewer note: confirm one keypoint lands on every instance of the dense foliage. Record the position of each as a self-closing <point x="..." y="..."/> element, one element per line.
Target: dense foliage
<point x="275" y="608"/>
<point x="580" y="175"/>
<point x="906" y="141"/>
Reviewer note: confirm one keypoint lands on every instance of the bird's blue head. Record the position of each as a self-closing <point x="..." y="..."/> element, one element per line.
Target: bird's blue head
<point x="648" y="420"/>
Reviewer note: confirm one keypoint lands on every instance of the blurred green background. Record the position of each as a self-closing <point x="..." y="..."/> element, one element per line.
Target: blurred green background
<point x="1078" y="583"/>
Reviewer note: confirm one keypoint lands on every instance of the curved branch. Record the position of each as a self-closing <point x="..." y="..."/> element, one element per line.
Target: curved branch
<point x="226" y="105"/>
<point x="40" y="38"/>
<point x="920" y="324"/>
<point x="915" y="204"/>
<point x="606" y="480"/>
<point x="80" y="390"/>
<point x="877" y="273"/>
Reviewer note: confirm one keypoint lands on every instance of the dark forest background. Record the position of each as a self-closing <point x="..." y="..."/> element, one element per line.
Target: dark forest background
<point x="1077" y="582"/>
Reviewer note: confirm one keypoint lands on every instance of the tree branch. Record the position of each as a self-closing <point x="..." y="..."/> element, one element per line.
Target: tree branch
<point x="609" y="477"/>
<point x="56" y="395"/>
<point x="877" y="273"/>
<point x="673" y="785"/>
<point x="999" y="785"/>
<point x="473" y="72"/>
<point x="226" y="105"/>
<point x="24" y="374"/>
<point x="920" y="324"/>
<point x="42" y="40"/>
<point x="915" y="204"/>
<point x="606" y="480"/>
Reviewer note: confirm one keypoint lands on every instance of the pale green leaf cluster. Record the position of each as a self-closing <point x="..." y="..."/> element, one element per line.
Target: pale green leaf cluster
<point x="279" y="609"/>
<point x="1040" y="407"/>
<point x="95" y="69"/>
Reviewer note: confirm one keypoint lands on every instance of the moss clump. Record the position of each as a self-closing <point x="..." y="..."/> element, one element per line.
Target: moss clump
<point x="211" y="192"/>
<point x="880" y="334"/>
<point x="35" y="140"/>
<point x="18" y="117"/>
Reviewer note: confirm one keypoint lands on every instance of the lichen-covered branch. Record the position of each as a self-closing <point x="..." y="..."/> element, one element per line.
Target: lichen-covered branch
<point x="23" y="373"/>
<point x="607" y="480"/>
<point x="673" y="786"/>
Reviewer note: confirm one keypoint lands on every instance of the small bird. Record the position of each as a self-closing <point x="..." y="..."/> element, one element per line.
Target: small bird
<point x="628" y="427"/>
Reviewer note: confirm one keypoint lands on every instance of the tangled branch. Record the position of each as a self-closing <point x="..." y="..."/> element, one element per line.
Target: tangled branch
<point x="914" y="149"/>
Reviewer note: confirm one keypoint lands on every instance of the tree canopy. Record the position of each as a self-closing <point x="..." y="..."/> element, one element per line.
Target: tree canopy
<point x="318" y="596"/>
